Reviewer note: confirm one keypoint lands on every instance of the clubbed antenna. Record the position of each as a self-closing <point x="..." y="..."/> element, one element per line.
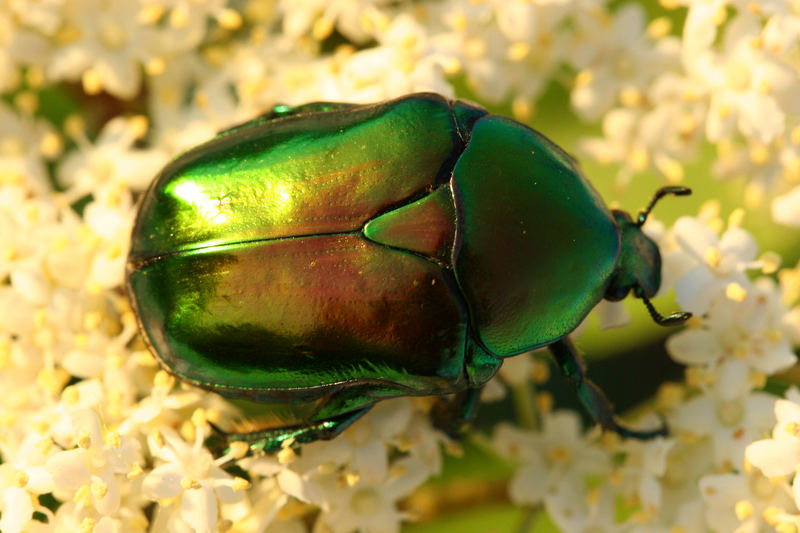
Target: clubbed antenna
<point x="660" y="193"/>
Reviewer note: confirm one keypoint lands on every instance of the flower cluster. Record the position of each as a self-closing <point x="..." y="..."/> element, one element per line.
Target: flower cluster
<point x="96" y="96"/>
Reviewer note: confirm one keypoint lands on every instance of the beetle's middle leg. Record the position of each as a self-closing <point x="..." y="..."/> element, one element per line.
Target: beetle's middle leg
<point x="454" y="415"/>
<point x="590" y="395"/>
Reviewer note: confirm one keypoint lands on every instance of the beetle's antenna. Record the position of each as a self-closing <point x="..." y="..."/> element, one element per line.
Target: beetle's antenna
<point x="673" y="319"/>
<point x="677" y="190"/>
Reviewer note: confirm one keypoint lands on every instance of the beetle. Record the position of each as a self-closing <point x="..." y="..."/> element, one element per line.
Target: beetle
<point x="328" y="256"/>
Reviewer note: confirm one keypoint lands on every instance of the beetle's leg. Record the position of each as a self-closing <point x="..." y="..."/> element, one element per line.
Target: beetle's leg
<point x="590" y="394"/>
<point x="272" y="440"/>
<point x="454" y="415"/>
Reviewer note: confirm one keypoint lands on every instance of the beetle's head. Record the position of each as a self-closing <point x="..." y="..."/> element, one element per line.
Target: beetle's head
<point x="639" y="263"/>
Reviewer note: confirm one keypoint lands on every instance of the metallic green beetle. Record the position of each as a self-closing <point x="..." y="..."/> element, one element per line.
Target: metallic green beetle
<point x="331" y="255"/>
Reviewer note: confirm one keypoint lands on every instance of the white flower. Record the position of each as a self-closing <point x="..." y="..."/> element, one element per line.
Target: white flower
<point x="25" y="145"/>
<point x="179" y="125"/>
<point x="751" y="90"/>
<point x="578" y="508"/>
<point x="782" y="29"/>
<point x="165" y="405"/>
<point x="535" y="43"/>
<point x="191" y="477"/>
<point x="111" y="161"/>
<point x="662" y="137"/>
<point x="731" y="424"/>
<point x="550" y="456"/>
<point x="619" y="56"/>
<point x="105" y="47"/>
<point x="22" y="479"/>
<point x="18" y="47"/>
<point x="356" y="20"/>
<point x="767" y="167"/>
<point x="91" y="473"/>
<point x="642" y="472"/>
<point x="473" y="43"/>
<point x="786" y="208"/>
<point x="259" y="511"/>
<point x="364" y="505"/>
<point x="743" y="502"/>
<point x="363" y="447"/>
<point x="41" y="15"/>
<point x="420" y="439"/>
<point x="741" y="340"/>
<point x="702" y="266"/>
<point x="780" y="455"/>
<point x="404" y="61"/>
<point x="499" y="44"/>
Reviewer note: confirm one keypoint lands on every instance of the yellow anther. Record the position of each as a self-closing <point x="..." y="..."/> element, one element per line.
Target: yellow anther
<point x="99" y="489"/>
<point x="240" y="483"/>
<point x="286" y="456"/>
<point x="188" y="483"/>
<point x="518" y="51"/>
<point x="735" y="292"/>
<point x="230" y="19"/>
<point x="584" y="78"/>
<point x="659" y="28"/>
<point x="135" y="471"/>
<point x="92" y="82"/>
<point x="713" y="256"/>
<point x="158" y="438"/>
<point x="743" y="509"/>
<point x="87" y="525"/>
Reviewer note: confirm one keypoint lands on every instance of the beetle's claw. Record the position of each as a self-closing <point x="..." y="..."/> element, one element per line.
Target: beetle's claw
<point x="675" y="319"/>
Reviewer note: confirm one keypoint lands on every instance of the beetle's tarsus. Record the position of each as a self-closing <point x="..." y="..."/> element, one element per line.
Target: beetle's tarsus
<point x="637" y="434"/>
<point x="673" y="319"/>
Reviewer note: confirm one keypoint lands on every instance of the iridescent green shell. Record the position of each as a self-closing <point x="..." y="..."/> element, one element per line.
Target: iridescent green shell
<point x="347" y="253"/>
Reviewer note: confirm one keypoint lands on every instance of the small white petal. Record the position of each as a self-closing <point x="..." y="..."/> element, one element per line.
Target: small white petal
<point x="109" y="503"/>
<point x="17" y="510"/>
<point x="732" y="380"/>
<point x="696" y="290"/>
<point x="786" y="208"/>
<point x="299" y="486"/>
<point x="796" y="490"/>
<point x="163" y="482"/>
<point x="69" y="469"/>
<point x="108" y="525"/>
<point x="694" y="347"/>
<point x="199" y="509"/>
<point x="787" y="411"/>
<point x="773" y="457"/>
<point x="740" y="243"/>
<point x="31" y="285"/>
<point x="528" y="486"/>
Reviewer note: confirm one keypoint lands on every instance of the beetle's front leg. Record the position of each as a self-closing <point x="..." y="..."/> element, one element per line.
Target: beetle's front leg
<point x="590" y="395"/>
